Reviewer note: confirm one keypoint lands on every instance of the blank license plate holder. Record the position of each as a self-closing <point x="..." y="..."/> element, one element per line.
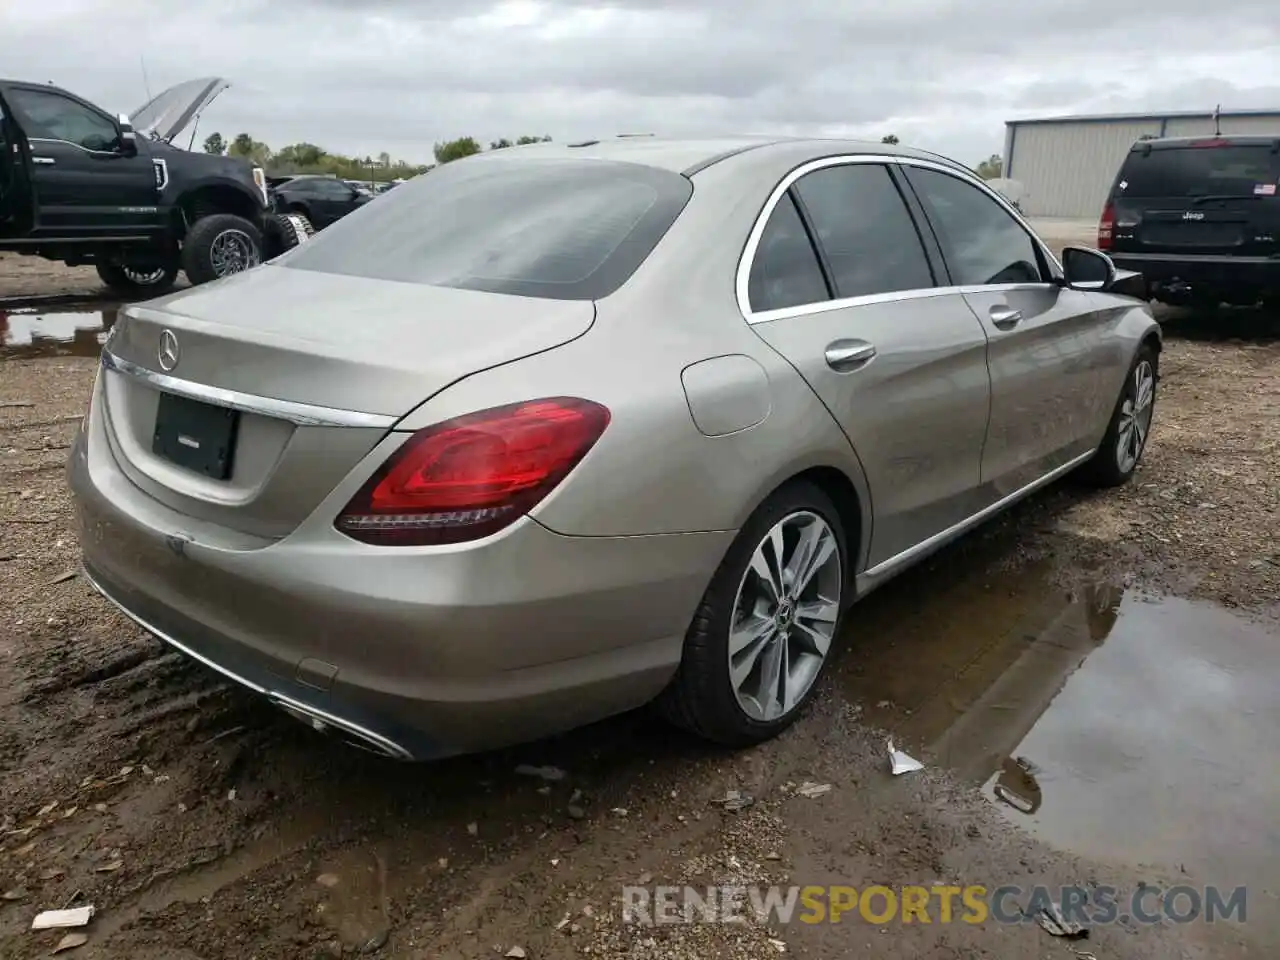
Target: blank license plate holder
<point x="198" y="436"/>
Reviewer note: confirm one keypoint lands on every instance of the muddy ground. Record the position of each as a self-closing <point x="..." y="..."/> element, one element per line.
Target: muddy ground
<point x="1091" y="681"/>
<point x="33" y="277"/>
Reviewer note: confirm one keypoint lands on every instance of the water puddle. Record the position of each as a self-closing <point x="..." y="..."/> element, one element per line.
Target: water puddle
<point x="1113" y="726"/>
<point x="71" y="332"/>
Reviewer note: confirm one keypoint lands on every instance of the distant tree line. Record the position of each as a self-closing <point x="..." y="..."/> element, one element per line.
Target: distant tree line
<point x="466" y="146"/>
<point x="309" y="158"/>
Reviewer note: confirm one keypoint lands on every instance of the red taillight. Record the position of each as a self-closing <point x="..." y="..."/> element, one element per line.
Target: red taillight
<point x="1216" y="142"/>
<point x="469" y="477"/>
<point x="1106" y="227"/>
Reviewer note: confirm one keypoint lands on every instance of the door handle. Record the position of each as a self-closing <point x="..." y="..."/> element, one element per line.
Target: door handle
<point x="1005" y="318"/>
<point x="46" y="161"/>
<point x="845" y="355"/>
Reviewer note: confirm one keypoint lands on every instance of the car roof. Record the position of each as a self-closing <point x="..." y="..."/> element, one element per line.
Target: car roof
<point x="691" y="156"/>
<point x="1243" y="140"/>
<point x="32" y="83"/>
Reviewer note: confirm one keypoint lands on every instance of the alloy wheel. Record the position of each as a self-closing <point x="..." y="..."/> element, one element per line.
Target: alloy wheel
<point x="1135" y="417"/>
<point x="784" y="616"/>
<point x="232" y="251"/>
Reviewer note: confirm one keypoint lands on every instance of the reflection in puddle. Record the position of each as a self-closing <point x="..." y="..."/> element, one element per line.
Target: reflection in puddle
<point x="1110" y="726"/>
<point x="77" y="333"/>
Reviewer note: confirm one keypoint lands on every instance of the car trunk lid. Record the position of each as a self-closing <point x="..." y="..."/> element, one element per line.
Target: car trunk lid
<point x="295" y="376"/>
<point x="1199" y="197"/>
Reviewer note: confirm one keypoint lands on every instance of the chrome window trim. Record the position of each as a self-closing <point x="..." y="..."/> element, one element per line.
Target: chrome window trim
<point x="301" y="414"/>
<point x="72" y="143"/>
<point x="743" y="277"/>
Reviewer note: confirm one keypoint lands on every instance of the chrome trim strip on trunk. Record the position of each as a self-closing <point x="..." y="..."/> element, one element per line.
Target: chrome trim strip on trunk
<point x="302" y="414"/>
<point x="872" y="577"/>
<point x="384" y="746"/>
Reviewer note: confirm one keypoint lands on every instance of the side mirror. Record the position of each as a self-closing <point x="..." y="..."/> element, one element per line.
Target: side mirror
<point x="128" y="138"/>
<point x="1087" y="269"/>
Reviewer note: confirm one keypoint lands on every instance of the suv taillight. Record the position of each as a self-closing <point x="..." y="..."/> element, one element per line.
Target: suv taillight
<point x="471" y="476"/>
<point x="1106" y="227"/>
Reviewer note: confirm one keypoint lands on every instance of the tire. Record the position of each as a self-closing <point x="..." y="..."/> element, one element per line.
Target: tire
<point x="702" y="697"/>
<point x="284" y="231"/>
<point x="139" y="282"/>
<point x="1110" y="466"/>
<point x="219" y="245"/>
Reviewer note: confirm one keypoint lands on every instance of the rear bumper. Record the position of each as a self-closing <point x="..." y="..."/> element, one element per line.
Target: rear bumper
<point x="1203" y="272"/>
<point x="415" y="653"/>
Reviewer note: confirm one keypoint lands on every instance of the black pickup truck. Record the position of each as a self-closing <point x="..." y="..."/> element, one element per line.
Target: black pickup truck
<point x="80" y="186"/>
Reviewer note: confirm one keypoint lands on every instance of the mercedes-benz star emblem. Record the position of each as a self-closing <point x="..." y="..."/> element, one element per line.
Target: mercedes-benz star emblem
<point x="168" y="354"/>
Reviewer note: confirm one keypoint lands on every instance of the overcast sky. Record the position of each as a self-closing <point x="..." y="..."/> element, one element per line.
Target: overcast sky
<point x="364" y="76"/>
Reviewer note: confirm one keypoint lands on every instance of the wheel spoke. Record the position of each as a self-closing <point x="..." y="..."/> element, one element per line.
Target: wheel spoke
<point x="772" y="676"/>
<point x="786" y="697"/>
<point x="742" y="663"/>
<point x="816" y="622"/>
<point x="814" y="549"/>
<point x="1146" y="391"/>
<point x="769" y="570"/>
<point x="750" y="633"/>
<point x="1122" y="445"/>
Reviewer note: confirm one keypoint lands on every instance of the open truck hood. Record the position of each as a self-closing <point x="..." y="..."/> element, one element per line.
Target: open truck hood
<point x="171" y="111"/>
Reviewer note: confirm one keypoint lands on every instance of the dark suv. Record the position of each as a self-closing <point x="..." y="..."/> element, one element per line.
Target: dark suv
<point x="1199" y="218"/>
<point x="83" y="187"/>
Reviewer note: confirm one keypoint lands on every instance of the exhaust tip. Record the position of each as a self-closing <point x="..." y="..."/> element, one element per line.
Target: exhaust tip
<point x="351" y="734"/>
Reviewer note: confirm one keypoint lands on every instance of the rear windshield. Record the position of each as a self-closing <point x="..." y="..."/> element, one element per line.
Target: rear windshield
<point x="564" y="229"/>
<point x="1196" y="171"/>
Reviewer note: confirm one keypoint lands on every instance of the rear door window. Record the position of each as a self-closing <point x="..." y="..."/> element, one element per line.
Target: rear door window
<point x="1212" y="169"/>
<point x="785" y="271"/>
<point x="865" y="230"/>
<point x="557" y="228"/>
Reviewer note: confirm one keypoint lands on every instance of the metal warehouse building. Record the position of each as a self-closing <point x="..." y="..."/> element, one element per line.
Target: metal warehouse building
<point x="1067" y="164"/>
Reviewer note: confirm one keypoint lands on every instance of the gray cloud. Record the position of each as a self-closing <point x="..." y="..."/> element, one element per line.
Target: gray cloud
<point x="401" y="74"/>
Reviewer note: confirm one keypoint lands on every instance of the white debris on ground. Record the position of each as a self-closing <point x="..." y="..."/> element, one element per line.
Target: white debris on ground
<point x="900" y="763"/>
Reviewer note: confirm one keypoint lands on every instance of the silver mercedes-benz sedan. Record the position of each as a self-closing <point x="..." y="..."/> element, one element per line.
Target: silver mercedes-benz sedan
<point x="552" y="432"/>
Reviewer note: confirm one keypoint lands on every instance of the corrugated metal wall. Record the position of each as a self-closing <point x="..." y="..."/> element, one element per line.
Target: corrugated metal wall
<point x="1067" y="168"/>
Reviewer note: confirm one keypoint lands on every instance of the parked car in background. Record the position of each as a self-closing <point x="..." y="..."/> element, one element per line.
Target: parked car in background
<point x="83" y="187"/>
<point x="537" y="439"/>
<point x="320" y="199"/>
<point x="1199" y="217"/>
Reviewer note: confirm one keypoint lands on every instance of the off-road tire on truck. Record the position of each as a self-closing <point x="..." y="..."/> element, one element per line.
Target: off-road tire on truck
<point x="219" y="245"/>
<point x="284" y="231"/>
<point x="139" y="282"/>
